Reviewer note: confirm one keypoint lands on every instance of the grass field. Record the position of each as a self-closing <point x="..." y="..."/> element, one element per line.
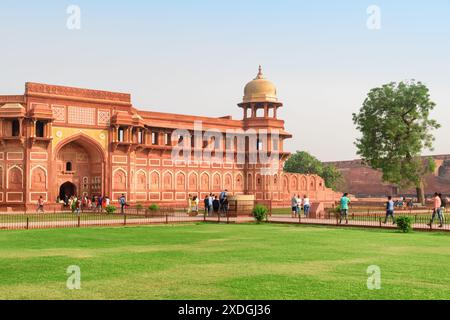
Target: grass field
<point x="209" y="261"/>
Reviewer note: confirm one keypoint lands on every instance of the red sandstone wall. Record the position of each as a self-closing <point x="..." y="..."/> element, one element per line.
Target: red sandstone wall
<point x="31" y="167"/>
<point x="364" y="181"/>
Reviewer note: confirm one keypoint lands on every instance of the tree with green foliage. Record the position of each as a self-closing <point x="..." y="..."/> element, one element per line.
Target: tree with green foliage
<point x="305" y="163"/>
<point x="333" y="177"/>
<point x="396" y="128"/>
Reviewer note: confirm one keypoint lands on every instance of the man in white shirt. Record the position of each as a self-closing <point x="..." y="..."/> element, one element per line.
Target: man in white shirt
<point x="306" y="205"/>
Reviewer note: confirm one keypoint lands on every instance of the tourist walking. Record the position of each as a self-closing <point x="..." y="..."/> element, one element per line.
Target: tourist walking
<point x="40" y="207"/>
<point x="437" y="210"/>
<point x="78" y="205"/>
<point x="210" y="203"/>
<point x="443" y="206"/>
<point x="225" y="205"/>
<point x="294" y="205"/>
<point x="189" y="204"/>
<point x="306" y="205"/>
<point x="73" y="203"/>
<point x="222" y="196"/>
<point x="123" y="203"/>
<point x="104" y="205"/>
<point x="345" y="200"/>
<point x="99" y="204"/>
<point x="216" y="205"/>
<point x="196" y="203"/>
<point x="206" y="204"/>
<point x="84" y="203"/>
<point x="389" y="210"/>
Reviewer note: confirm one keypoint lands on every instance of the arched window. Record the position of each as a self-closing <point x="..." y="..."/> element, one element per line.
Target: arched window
<point x="68" y="166"/>
<point x="40" y="129"/>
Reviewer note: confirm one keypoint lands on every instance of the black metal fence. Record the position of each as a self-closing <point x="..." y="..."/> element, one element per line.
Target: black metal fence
<point x="421" y="220"/>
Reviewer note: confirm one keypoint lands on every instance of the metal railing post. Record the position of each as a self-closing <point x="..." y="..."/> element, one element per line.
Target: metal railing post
<point x="124" y="219"/>
<point x="78" y="220"/>
<point x="28" y="222"/>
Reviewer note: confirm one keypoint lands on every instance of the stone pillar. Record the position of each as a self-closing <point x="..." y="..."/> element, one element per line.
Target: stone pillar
<point x="20" y="127"/>
<point x="147" y="139"/>
<point x="115" y="133"/>
<point x="128" y="134"/>
<point x="49" y="126"/>
<point x="160" y="138"/>
<point x="33" y="128"/>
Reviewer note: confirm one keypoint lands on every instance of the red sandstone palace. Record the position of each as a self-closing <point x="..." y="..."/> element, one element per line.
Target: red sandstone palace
<point x="57" y="140"/>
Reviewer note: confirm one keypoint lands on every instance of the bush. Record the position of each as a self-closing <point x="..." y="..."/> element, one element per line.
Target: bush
<point x="110" y="209"/>
<point x="139" y="206"/>
<point x="153" y="207"/>
<point x="260" y="213"/>
<point x="404" y="224"/>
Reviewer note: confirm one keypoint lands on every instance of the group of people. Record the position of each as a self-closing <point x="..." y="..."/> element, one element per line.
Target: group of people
<point x="298" y="204"/>
<point x="439" y="207"/>
<point x="77" y="204"/>
<point x="212" y="203"/>
<point x="94" y="203"/>
<point x="404" y="203"/>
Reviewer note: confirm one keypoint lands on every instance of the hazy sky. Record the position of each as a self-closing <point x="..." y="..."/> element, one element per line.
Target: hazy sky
<point x="195" y="57"/>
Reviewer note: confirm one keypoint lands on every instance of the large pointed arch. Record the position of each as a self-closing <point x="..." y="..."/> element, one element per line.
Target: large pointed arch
<point x="87" y="142"/>
<point x="86" y="157"/>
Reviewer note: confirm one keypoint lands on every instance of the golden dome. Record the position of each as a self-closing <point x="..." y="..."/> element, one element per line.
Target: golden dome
<point x="260" y="90"/>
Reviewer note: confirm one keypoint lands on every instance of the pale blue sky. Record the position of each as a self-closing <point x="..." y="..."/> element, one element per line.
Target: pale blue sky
<point x="194" y="57"/>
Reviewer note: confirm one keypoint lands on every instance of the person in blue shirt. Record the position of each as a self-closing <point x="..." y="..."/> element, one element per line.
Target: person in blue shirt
<point x="345" y="200"/>
<point x="389" y="210"/>
<point x="222" y="196"/>
<point x="123" y="203"/>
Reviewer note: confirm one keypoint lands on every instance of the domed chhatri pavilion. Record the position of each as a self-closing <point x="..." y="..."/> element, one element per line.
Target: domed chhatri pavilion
<point x="57" y="141"/>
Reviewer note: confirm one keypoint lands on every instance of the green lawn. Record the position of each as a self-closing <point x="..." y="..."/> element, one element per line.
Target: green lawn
<point x="209" y="261"/>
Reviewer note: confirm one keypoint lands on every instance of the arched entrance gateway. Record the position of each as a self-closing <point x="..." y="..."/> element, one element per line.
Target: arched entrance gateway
<point x="67" y="189"/>
<point x="80" y="167"/>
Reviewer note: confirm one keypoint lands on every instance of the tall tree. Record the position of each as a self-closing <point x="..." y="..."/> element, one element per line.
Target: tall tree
<point x="304" y="163"/>
<point x="396" y="128"/>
